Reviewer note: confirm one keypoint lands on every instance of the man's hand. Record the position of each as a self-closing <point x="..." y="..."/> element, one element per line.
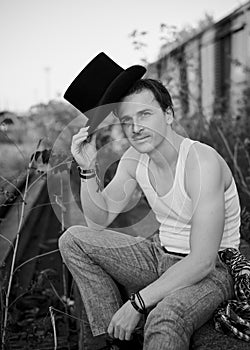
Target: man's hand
<point x="124" y="322"/>
<point x="84" y="152"/>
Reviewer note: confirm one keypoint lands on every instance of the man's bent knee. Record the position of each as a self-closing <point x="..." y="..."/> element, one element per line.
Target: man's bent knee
<point x="165" y="328"/>
<point x="67" y="241"/>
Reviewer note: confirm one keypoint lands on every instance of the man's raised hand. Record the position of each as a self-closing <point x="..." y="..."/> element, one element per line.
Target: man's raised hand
<point x="84" y="152"/>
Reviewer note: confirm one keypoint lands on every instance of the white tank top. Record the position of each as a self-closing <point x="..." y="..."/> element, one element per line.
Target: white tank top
<point x="174" y="210"/>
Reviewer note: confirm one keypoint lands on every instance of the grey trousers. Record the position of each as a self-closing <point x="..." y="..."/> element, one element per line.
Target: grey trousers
<point x="99" y="259"/>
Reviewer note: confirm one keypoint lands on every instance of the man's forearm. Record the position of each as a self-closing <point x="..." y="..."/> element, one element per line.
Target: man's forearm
<point x="93" y="203"/>
<point x="182" y="274"/>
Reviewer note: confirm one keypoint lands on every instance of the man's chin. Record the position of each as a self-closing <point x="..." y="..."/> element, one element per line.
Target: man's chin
<point x="144" y="147"/>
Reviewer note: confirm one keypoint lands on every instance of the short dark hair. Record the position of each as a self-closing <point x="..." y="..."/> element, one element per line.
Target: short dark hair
<point x="159" y="91"/>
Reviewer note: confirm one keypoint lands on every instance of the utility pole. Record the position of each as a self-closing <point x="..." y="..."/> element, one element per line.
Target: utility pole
<point x="47" y="71"/>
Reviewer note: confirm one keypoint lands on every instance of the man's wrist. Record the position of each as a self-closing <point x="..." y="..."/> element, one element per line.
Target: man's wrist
<point x="86" y="173"/>
<point x="138" y="303"/>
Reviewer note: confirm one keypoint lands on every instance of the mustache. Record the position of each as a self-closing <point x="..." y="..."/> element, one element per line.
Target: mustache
<point x="139" y="136"/>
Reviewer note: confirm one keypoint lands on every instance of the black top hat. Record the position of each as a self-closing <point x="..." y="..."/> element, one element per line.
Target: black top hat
<point x="101" y="83"/>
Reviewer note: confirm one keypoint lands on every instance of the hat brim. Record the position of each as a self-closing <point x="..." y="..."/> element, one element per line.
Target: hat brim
<point x="116" y="90"/>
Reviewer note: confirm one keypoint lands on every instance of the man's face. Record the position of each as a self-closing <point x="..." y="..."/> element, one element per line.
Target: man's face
<point x="143" y="121"/>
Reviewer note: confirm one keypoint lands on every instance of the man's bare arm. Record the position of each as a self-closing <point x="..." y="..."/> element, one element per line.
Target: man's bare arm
<point x="101" y="207"/>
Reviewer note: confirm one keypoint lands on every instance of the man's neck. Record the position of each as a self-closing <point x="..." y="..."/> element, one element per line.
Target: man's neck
<point x="166" y="154"/>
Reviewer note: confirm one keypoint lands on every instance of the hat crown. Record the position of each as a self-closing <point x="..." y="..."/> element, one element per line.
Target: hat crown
<point x="101" y="69"/>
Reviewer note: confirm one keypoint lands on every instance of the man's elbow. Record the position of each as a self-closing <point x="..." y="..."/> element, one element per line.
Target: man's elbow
<point x="207" y="266"/>
<point x="204" y="265"/>
<point x="100" y="224"/>
<point x="95" y="225"/>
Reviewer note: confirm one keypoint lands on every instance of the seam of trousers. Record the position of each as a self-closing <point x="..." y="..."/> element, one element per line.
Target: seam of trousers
<point x="130" y="265"/>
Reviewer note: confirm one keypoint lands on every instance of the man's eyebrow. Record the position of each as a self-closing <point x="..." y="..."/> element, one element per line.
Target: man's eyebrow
<point x="124" y="116"/>
<point x="138" y="112"/>
<point x="145" y="110"/>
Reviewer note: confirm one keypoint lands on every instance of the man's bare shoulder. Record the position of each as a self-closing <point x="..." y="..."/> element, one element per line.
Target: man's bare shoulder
<point x="201" y="154"/>
<point x="203" y="168"/>
<point x="206" y="158"/>
<point x="130" y="159"/>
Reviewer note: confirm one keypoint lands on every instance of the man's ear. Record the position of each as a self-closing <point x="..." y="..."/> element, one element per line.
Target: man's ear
<point x="169" y="115"/>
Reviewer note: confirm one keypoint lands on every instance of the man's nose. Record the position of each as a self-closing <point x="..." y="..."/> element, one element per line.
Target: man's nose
<point x="137" y="127"/>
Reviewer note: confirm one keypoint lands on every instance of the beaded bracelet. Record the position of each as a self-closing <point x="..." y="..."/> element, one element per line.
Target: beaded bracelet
<point x="141" y="301"/>
<point x="87" y="174"/>
<point x="140" y="309"/>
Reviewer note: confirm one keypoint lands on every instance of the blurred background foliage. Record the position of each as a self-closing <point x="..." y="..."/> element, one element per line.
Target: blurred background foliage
<point x="19" y="134"/>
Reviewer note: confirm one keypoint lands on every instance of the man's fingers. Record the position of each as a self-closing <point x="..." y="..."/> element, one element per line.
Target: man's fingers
<point x="128" y="335"/>
<point x="85" y="128"/>
<point x="93" y="139"/>
<point x="117" y="332"/>
<point x="77" y="145"/>
<point x="83" y="132"/>
<point x="121" y="334"/>
<point x="80" y="136"/>
<point x="111" y="330"/>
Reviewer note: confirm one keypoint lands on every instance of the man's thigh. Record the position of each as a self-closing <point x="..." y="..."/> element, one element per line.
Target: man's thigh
<point x="192" y="306"/>
<point x="128" y="260"/>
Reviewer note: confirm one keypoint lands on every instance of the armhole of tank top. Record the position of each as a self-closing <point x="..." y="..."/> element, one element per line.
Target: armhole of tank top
<point x="231" y="187"/>
<point x="182" y="183"/>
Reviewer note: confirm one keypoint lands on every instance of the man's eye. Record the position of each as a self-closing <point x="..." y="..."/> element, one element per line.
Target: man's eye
<point x="125" y="121"/>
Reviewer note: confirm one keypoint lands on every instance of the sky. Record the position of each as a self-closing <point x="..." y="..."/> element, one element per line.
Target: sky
<point x="44" y="44"/>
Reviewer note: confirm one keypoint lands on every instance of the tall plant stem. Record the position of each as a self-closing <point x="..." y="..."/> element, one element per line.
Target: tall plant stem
<point x="65" y="292"/>
<point x="5" y="318"/>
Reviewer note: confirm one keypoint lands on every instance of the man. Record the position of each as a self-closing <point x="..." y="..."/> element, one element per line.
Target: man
<point x="177" y="277"/>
